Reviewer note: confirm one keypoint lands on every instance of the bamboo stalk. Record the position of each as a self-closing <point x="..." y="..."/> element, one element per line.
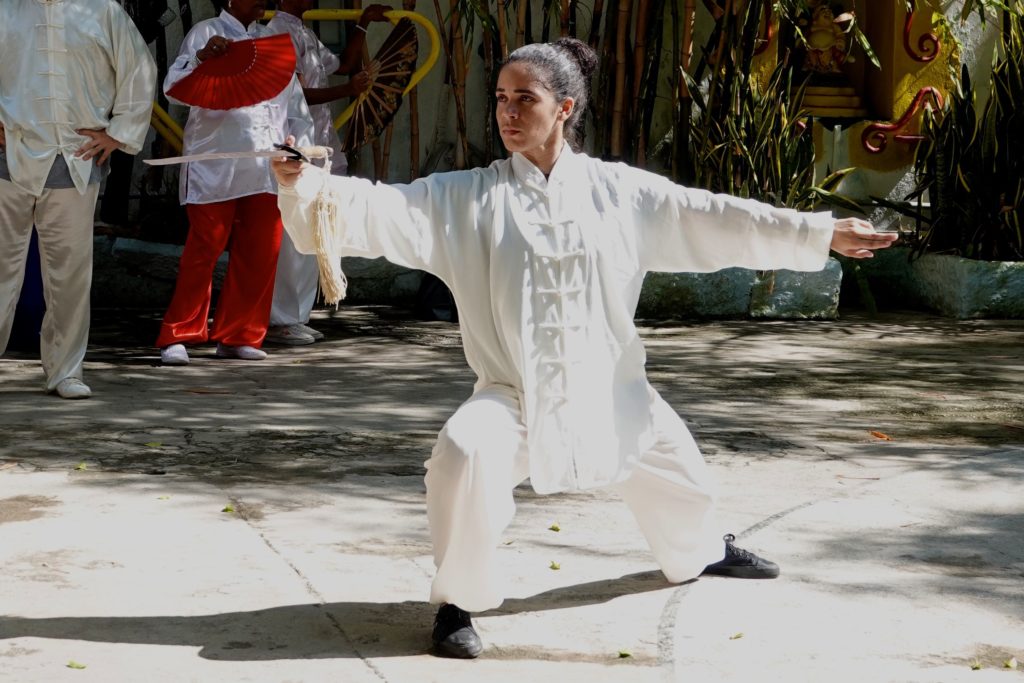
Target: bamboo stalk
<point x="639" y="46"/>
<point x="618" y="106"/>
<point x="502" y="30"/>
<point x="414" y="116"/>
<point x="689" y="17"/>
<point x="488" y="44"/>
<point x="460" y="112"/>
<point x="521" y="22"/>
<point x="595" y="24"/>
<point x="642" y="13"/>
<point x="461" y="71"/>
<point x="386" y="155"/>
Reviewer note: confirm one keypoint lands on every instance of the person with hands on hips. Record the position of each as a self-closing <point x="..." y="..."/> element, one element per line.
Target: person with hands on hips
<point x="76" y="83"/>
<point x="295" y="285"/>
<point x="545" y="253"/>
<point x="230" y="202"/>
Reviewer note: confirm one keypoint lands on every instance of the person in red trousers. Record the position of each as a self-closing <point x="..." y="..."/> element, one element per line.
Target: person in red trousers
<point x="231" y="203"/>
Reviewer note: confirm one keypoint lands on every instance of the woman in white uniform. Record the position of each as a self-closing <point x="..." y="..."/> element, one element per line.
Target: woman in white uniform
<point x="231" y="203"/>
<point x="545" y="254"/>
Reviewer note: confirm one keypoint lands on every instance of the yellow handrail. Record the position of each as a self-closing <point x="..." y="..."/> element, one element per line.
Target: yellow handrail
<point x="393" y="16"/>
<point x="167" y="127"/>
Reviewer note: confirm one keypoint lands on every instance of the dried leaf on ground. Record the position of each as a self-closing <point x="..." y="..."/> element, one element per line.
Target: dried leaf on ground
<point x="228" y="508"/>
<point x="736" y="636"/>
<point x="881" y="435"/>
<point x="75" y="665"/>
<point x="81" y="466"/>
<point x="554" y="527"/>
<point x="153" y="444"/>
<point x="555" y="565"/>
<point x="625" y="653"/>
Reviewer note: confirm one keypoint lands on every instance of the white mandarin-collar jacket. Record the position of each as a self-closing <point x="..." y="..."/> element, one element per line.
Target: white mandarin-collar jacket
<point x="245" y="129"/>
<point x="314" y="64"/>
<point x="547" y="274"/>
<point x="67" y="65"/>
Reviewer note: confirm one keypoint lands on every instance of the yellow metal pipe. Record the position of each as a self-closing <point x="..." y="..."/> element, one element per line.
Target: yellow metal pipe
<point x="393" y="16"/>
<point x="167" y="127"/>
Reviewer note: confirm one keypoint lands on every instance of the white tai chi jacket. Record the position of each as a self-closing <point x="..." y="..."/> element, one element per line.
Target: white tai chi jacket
<point x="67" y="65"/>
<point x="245" y="129"/>
<point x="547" y="274"/>
<point x="314" y="64"/>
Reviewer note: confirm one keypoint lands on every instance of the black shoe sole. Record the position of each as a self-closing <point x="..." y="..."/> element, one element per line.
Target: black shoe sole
<point x="742" y="573"/>
<point x="457" y="651"/>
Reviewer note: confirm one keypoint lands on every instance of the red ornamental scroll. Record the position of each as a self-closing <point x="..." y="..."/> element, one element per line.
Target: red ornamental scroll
<point x="875" y="137"/>
<point x="928" y="45"/>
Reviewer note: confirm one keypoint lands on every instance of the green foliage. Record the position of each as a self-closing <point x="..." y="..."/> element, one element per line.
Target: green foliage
<point x="746" y="140"/>
<point x="971" y="166"/>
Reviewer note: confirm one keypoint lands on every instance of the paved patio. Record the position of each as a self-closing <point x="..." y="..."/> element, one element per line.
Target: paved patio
<point x="879" y="461"/>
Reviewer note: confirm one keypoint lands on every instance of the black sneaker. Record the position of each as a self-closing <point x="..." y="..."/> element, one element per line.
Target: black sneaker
<point x="454" y="635"/>
<point x="741" y="564"/>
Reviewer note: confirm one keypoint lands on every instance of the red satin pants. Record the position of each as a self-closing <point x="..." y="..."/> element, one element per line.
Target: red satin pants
<point x="251" y="228"/>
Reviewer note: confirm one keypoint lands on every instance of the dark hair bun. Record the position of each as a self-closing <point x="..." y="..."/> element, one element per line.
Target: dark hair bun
<point x="582" y="54"/>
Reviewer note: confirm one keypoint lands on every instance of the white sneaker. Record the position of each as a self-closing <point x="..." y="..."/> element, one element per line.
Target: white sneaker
<point x="240" y="352"/>
<point x="317" y="335"/>
<point x="175" y="354"/>
<point x="288" y="335"/>
<point x="73" y="388"/>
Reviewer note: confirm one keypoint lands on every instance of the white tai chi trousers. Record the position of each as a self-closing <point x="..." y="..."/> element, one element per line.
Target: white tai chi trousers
<point x="481" y="455"/>
<point x="64" y="220"/>
<point x="294" y="285"/>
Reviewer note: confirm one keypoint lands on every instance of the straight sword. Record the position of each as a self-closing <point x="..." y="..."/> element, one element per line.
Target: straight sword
<point x="295" y="154"/>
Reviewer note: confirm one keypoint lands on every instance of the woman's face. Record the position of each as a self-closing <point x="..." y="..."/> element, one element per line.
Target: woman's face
<point x="529" y="118"/>
<point x="247" y="11"/>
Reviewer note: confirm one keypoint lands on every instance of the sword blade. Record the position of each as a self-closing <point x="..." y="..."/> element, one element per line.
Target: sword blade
<point x="219" y="155"/>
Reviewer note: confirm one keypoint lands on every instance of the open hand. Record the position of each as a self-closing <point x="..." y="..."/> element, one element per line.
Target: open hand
<point x="857" y="238"/>
<point x="98" y="146"/>
<point x="287" y="171"/>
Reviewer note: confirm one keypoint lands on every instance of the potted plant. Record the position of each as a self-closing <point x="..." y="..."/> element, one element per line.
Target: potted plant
<point x="968" y="246"/>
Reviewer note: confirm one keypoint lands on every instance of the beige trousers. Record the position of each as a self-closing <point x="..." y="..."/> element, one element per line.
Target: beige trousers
<point x="481" y="455"/>
<point x="64" y="220"/>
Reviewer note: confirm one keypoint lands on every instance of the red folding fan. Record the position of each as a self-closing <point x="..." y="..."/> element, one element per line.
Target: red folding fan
<point x="248" y="72"/>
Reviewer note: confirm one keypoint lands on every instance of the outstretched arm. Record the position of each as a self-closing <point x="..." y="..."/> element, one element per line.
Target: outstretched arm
<point x="428" y="224"/>
<point x="687" y="229"/>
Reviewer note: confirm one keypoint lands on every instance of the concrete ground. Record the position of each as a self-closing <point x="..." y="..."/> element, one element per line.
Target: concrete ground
<point x="234" y="521"/>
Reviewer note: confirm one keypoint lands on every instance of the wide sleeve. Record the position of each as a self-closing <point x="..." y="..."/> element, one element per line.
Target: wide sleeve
<point x="428" y="224"/>
<point x="330" y="60"/>
<point x="681" y="229"/>
<point x="134" y="83"/>
<point x="300" y="121"/>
